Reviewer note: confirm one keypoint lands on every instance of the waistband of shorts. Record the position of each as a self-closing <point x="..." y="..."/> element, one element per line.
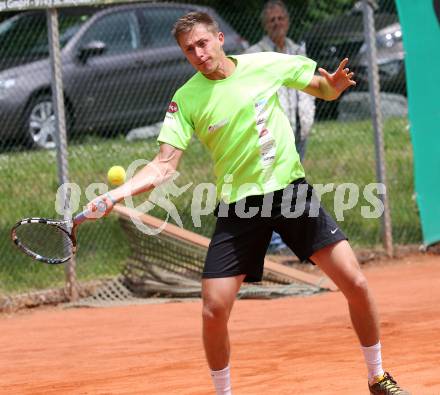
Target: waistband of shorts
<point x="257" y="200"/>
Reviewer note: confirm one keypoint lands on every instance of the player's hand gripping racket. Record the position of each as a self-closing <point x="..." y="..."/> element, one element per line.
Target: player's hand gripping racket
<point x="49" y="240"/>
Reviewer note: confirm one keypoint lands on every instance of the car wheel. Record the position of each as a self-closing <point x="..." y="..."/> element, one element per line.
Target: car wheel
<point x="40" y="123"/>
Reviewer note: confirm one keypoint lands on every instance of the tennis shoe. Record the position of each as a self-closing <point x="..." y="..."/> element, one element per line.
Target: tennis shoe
<point x="386" y="385"/>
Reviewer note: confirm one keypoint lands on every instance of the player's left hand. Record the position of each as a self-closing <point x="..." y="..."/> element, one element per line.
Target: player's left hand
<point x="341" y="79"/>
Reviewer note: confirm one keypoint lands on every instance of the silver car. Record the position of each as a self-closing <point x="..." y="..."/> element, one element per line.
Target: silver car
<point x="120" y="68"/>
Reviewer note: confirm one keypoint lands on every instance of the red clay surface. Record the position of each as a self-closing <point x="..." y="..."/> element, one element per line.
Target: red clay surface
<point x="284" y="346"/>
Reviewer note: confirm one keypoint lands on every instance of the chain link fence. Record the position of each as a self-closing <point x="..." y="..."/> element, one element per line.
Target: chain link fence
<point x="120" y="69"/>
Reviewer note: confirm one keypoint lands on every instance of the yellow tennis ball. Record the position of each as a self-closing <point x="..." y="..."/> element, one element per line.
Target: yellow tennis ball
<point x="116" y="175"/>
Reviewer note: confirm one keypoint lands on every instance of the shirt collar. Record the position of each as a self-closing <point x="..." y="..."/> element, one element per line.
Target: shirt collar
<point x="269" y="45"/>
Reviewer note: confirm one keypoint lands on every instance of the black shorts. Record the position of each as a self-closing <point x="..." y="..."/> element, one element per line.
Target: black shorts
<point x="239" y="244"/>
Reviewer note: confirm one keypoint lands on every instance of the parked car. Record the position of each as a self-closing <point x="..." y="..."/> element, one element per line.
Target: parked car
<point x="343" y="36"/>
<point x="390" y="61"/>
<point x="120" y="68"/>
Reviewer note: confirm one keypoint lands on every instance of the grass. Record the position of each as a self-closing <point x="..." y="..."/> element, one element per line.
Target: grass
<point x="337" y="152"/>
<point x="344" y="152"/>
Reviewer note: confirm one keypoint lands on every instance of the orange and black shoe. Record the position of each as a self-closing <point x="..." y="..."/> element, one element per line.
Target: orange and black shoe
<point x="386" y="385"/>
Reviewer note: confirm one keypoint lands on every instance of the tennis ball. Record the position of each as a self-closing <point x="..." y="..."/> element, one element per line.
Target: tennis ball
<point x="116" y="175"/>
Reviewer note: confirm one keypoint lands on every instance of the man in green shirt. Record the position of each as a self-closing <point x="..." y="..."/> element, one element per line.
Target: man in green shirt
<point x="232" y="106"/>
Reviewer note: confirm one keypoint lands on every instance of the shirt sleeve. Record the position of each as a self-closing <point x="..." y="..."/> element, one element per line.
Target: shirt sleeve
<point x="177" y="128"/>
<point x="293" y="71"/>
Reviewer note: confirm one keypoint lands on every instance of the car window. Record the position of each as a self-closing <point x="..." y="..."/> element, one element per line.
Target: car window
<point x="69" y="24"/>
<point x="19" y="36"/>
<point x="157" y="25"/>
<point x="25" y="36"/>
<point x="118" y="31"/>
<point x="7" y="25"/>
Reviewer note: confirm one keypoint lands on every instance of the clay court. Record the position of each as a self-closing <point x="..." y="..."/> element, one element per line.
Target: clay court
<point x="296" y="345"/>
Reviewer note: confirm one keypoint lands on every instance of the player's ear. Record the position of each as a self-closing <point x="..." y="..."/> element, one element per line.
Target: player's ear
<point x="221" y="37"/>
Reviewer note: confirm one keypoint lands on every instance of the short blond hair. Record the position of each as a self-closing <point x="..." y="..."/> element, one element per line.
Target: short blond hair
<point x="187" y="22"/>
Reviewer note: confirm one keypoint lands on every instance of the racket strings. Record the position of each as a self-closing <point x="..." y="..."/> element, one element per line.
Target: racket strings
<point x="48" y="241"/>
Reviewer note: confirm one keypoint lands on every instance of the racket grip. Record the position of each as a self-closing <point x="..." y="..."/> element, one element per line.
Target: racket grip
<point x="84" y="215"/>
<point x="81" y="217"/>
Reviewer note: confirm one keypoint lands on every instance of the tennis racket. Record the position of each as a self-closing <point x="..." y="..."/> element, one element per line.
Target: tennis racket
<point x="49" y="240"/>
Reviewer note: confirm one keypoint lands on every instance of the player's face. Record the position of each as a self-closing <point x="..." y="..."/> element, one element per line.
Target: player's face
<point x="203" y="48"/>
<point x="276" y="23"/>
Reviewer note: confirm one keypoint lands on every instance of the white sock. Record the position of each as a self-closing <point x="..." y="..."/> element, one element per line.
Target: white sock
<point x="373" y="359"/>
<point x="222" y="381"/>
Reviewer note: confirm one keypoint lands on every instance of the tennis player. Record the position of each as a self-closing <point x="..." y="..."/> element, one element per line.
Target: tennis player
<point x="232" y="106"/>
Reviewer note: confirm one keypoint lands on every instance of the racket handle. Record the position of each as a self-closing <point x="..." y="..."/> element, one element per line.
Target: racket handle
<point x="84" y="215"/>
<point x="81" y="217"/>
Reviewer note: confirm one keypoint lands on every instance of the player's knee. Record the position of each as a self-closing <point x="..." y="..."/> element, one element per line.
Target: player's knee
<point x="214" y="311"/>
<point x="358" y="289"/>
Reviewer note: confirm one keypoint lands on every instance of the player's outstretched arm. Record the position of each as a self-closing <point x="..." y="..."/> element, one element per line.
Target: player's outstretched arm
<point x="330" y="86"/>
<point x="159" y="170"/>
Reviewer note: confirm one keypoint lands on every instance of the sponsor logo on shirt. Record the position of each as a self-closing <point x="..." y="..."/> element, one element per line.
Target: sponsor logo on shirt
<point x="263" y="133"/>
<point x="173" y="107"/>
<point x="218" y="125"/>
<point x="266" y="140"/>
<point x="267" y="146"/>
<point x="260" y="104"/>
<point x="169" y="119"/>
<point x="268" y="160"/>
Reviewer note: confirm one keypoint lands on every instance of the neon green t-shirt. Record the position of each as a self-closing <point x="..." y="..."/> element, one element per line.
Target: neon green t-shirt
<point x="240" y="120"/>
